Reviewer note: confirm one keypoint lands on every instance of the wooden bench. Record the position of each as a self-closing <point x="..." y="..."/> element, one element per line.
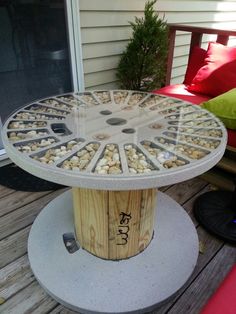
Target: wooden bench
<point x="224" y="173"/>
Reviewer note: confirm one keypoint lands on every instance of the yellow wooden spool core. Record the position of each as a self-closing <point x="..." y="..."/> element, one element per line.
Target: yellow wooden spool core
<point x="114" y="224"/>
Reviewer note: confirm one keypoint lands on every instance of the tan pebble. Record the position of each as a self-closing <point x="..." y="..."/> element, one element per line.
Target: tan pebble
<point x="43" y="159"/>
<point x="140" y="170"/>
<point x="47" y="154"/>
<point x="114" y="170"/>
<point x="26" y="148"/>
<point x="109" y="154"/>
<point x="143" y="163"/>
<point x="111" y="163"/>
<point x="89" y="147"/>
<point x="102" y="171"/>
<point x="34" y="147"/>
<point x="161" y="159"/>
<point x="134" y="165"/>
<point x="168" y="163"/>
<point x="74" y="159"/>
<point x="173" y="158"/>
<point x="128" y="147"/>
<point x="96" y="146"/>
<point x="44" y="143"/>
<point x="14" y="138"/>
<point x="32" y="133"/>
<point x="83" y="163"/>
<point x="147" y="170"/>
<point x="81" y="153"/>
<point x="62" y="153"/>
<point x="98" y="168"/>
<point x="180" y="162"/>
<point x="140" y="167"/>
<point x="111" y="147"/>
<point x="85" y="156"/>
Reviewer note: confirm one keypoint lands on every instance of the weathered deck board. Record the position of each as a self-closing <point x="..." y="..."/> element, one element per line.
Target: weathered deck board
<point x="185" y="190"/>
<point x="31" y="300"/>
<point x="24" y="216"/>
<point x="60" y="309"/>
<point x="212" y="246"/>
<point x="22" y="293"/>
<point x="14" y="277"/>
<point x="18" y="199"/>
<point x="202" y="288"/>
<point x="14" y="246"/>
<point x="5" y="191"/>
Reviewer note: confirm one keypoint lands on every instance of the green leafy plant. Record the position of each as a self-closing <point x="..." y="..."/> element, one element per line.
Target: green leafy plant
<point x="142" y="65"/>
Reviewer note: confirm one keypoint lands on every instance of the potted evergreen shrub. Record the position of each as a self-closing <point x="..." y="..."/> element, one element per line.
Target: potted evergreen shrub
<point x="142" y="65"/>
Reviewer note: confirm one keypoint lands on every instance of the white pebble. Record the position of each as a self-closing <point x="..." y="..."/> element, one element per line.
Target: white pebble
<point x="116" y="157"/>
<point x="132" y="170"/>
<point x="102" y="162"/>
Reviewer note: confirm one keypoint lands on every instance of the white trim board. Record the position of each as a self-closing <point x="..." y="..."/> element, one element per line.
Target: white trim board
<point x="74" y="33"/>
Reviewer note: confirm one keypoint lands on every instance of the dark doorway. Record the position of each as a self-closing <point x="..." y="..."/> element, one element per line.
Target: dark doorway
<point x="34" y="54"/>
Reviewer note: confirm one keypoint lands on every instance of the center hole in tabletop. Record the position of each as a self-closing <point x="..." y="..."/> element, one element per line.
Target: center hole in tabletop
<point x="60" y="129"/>
<point x="116" y="121"/>
<point x="105" y="112"/>
<point x="129" y="131"/>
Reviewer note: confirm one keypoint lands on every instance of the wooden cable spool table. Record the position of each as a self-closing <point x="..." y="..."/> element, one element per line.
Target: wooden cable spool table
<point x="114" y="148"/>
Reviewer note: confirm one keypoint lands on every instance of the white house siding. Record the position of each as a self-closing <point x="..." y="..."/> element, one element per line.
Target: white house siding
<point x="105" y="32"/>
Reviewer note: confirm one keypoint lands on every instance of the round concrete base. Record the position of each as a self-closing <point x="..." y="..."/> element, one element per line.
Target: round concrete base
<point x="85" y="283"/>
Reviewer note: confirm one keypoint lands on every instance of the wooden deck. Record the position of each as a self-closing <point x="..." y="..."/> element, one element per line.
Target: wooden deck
<point x="20" y="293"/>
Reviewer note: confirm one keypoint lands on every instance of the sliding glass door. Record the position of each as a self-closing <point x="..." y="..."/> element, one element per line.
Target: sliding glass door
<point x="34" y="52"/>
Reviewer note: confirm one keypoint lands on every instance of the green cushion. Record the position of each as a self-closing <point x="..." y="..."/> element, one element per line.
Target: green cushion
<point x="224" y="107"/>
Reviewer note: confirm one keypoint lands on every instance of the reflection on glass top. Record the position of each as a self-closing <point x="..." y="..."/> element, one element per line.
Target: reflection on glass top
<point x="113" y="132"/>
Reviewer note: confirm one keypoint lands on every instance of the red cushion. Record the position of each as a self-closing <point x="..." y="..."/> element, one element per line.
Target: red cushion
<point x="218" y="75"/>
<point x="223" y="300"/>
<point x="196" y="61"/>
<point x="180" y="91"/>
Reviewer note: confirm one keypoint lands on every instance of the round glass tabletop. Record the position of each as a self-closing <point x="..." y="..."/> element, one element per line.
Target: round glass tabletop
<point x="114" y="140"/>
